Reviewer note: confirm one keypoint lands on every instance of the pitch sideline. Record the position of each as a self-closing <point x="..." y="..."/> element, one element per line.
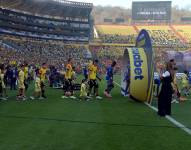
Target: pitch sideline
<point x="169" y="118"/>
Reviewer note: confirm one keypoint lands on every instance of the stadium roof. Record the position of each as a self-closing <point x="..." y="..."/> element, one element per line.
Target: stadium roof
<point x="60" y="8"/>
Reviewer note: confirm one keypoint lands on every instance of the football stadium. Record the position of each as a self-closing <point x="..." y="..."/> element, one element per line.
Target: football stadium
<point x="78" y="75"/>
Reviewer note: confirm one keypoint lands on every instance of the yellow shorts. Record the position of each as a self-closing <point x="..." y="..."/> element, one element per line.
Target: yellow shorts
<point x="83" y="94"/>
<point x="3" y="85"/>
<point x="37" y="90"/>
<point x="21" y="85"/>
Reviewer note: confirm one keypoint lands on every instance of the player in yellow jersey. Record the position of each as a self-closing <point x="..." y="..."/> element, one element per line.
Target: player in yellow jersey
<point x="93" y="76"/>
<point x="83" y="90"/>
<point x="26" y="71"/>
<point x="3" y="93"/>
<point x="42" y="73"/>
<point x="68" y="77"/>
<point x="69" y="70"/>
<point x="37" y="92"/>
<point x="1" y="88"/>
<point x="185" y="83"/>
<point x="21" y="86"/>
<point x="176" y="95"/>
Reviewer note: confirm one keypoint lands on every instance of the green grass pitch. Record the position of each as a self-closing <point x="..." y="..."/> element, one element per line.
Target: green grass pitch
<point x="117" y="124"/>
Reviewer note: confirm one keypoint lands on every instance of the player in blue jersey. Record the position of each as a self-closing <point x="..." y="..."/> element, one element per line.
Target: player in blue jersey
<point x="85" y="72"/>
<point x="109" y="79"/>
<point x="189" y="77"/>
<point x="127" y="80"/>
<point x="156" y="84"/>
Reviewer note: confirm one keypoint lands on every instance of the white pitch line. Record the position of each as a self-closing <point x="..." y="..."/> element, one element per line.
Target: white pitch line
<point x="169" y="118"/>
<point x="175" y="122"/>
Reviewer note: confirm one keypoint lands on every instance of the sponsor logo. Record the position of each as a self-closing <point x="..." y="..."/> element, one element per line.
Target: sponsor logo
<point x="138" y="64"/>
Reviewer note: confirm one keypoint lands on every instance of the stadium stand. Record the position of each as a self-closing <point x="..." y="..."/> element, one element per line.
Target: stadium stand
<point x="117" y="34"/>
<point x="106" y="54"/>
<point x="51" y="8"/>
<point x="162" y="35"/>
<point x="54" y="53"/>
<point x="185" y="31"/>
<point x="48" y="33"/>
<point x="71" y="26"/>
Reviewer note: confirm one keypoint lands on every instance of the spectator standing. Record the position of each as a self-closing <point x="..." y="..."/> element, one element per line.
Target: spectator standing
<point x="165" y="94"/>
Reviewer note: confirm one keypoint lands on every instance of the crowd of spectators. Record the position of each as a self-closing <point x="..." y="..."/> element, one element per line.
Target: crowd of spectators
<point x="163" y="55"/>
<point x="121" y="39"/>
<point x="56" y="53"/>
<point x="160" y="37"/>
<point x="165" y="38"/>
<point x="37" y="52"/>
<point x="106" y="54"/>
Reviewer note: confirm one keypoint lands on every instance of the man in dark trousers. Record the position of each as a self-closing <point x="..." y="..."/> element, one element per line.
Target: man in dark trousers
<point x="165" y="95"/>
<point x="109" y="79"/>
<point x="13" y="77"/>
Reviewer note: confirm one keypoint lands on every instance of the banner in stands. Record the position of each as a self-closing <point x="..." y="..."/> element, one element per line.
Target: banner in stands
<point x="138" y="69"/>
<point x="155" y="10"/>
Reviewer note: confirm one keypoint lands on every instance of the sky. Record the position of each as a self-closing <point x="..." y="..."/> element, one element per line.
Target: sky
<point x="128" y="3"/>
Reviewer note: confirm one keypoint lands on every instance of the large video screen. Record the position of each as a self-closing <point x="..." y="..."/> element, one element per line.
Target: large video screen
<point x="156" y="10"/>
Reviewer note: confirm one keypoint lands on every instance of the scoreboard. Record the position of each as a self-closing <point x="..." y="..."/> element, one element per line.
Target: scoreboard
<point x="151" y="10"/>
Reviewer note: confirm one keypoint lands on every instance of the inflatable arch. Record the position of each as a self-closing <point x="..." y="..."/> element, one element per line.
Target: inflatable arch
<point x="138" y="69"/>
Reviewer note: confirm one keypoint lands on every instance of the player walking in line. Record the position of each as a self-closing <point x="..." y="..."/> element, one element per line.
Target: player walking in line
<point x="21" y="85"/>
<point x="3" y="93"/>
<point x="93" y="76"/>
<point x="109" y="79"/>
<point x="42" y="73"/>
<point x="37" y="90"/>
<point x="68" y="78"/>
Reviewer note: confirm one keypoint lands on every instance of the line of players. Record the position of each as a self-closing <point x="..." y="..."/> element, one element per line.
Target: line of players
<point x="89" y="83"/>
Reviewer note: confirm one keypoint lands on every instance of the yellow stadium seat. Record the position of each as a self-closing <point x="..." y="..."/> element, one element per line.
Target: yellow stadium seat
<point x="185" y="31"/>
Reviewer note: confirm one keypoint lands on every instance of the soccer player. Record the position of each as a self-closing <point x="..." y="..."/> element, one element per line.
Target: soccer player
<point x="37" y="92"/>
<point x="85" y="72"/>
<point x="176" y="95"/>
<point x="21" y="78"/>
<point x="13" y="77"/>
<point x="42" y="73"/>
<point x="109" y="79"/>
<point x="68" y="77"/>
<point x="26" y="72"/>
<point x="74" y="77"/>
<point x="127" y="80"/>
<point x="1" y="88"/>
<point x="83" y="90"/>
<point x="189" y="77"/>
<point x="156" y="84"/>
<point x="93" y="76"/>
<point x="185" y="83"/>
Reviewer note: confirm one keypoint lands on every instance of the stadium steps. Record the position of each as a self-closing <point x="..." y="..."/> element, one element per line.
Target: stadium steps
<point x="178" y="35"/>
